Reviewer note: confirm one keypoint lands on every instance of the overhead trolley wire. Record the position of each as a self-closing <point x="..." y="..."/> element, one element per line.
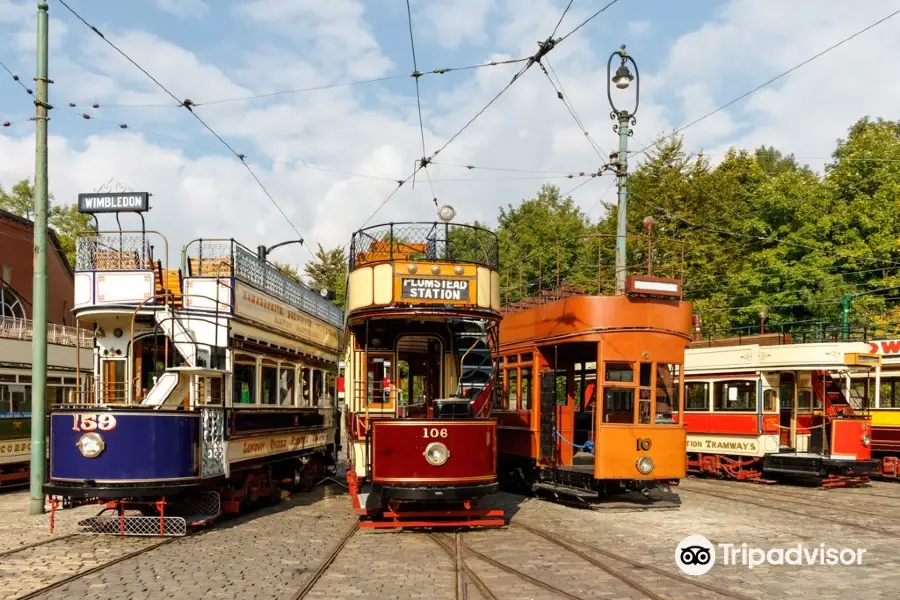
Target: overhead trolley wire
<point x="776" y="78"/>
<point x="543" y="49"/>
<point x="416" y="75"/>
<point x="189" y="106"/>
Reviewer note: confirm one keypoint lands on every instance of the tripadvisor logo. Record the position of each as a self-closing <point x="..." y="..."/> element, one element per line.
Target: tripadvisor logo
<point x="696" y="555"/>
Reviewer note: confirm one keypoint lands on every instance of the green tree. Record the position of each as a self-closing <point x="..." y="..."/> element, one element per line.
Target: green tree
<point x="328" y="271"/>
<point x="65" y="220"/>
<point x="537" y="233"/>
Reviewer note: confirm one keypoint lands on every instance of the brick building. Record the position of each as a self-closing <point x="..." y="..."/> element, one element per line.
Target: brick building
<point x="17" y="272"/>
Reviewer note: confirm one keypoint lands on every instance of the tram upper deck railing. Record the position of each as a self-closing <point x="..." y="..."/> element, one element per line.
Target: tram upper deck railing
<point x="444" y="242"/>
<point x="228" y="258"/>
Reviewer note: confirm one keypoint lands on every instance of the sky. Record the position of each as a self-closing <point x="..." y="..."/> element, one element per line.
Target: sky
<point x="330" y="157"/>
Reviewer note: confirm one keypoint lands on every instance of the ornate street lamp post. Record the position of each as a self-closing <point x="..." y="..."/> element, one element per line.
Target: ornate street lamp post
<point x="619" y="161"/>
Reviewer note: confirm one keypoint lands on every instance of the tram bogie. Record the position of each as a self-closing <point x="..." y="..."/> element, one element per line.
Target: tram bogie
<point x="419" y="372"/>
<point x="213" y="387"/>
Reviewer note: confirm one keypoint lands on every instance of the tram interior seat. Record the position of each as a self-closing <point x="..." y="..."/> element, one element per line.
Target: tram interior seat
<point x="452" y="408"/>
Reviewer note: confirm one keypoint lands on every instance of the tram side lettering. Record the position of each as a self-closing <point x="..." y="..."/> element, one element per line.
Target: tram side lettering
<point x="420" y="288"/>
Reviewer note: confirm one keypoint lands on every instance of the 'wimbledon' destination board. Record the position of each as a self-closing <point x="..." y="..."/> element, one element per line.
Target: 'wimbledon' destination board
<point x="425" y="288"/>
<point x="118" y="202"/>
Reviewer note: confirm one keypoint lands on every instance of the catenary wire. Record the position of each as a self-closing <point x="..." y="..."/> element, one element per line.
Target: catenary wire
<point x="777" y="77"/>
<point x="412" y="44"/>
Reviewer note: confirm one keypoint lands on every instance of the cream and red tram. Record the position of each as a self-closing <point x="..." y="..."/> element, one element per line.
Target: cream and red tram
<point x="590" y="403"/>
<point x="213" y="385"/>
<point x="879" y="389"/>
<point x="770" y="410"/>
<point x="423" y="308"/>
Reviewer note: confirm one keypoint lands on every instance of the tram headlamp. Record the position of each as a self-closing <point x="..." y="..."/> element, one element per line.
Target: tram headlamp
<point x="436" y="454"/>
<point x="645" y="465"/>
<point x="91" y="445"/>
<point x="866" y="440"/>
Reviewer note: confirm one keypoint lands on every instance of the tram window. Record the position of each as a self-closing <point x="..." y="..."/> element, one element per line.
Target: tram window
<point x="269" y="381"/>
<point x="378" y="380"/>
<point x="512" y="389"/>
<point x="304" y="387"/>
<point x="735" y="395"/>
<point x="618" y="405"/>
<point x="286" y="385"/>
<point x="316" y="386"/>
<point x="770" y="400"/>
<point x="512" y="359"/>
<point x="890" y="394"/>
<point x="20" y="398"/>
<point x="526" y="388"/>
<point x="696" y="396"/>
<point x="667" y="399"/>
<point x="623" y="372"/>
<point x="5" y="399"/>
<point x="5" y="377"/>
<point x="244" y="378"/>
<point x="527" y="357"/>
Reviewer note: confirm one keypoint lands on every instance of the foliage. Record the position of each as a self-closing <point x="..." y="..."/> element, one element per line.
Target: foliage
<point x="758" y="231"/>
<point x="64" y="219"/>
<point x="328" y="271"/>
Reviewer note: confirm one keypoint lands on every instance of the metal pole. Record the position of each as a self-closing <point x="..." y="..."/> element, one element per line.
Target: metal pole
<point x="845" y="317"/>
<point x="39" y="293"/>
<point x="622" y="221"/>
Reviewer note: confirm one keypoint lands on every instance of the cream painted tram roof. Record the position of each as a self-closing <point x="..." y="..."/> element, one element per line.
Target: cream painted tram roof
<point x="753" y="357"/>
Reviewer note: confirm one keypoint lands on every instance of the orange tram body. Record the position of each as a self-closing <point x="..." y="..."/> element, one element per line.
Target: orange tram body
<point x="421" y="328"/>
<point x="759" y="409"/>
<point x="590" y="402"/>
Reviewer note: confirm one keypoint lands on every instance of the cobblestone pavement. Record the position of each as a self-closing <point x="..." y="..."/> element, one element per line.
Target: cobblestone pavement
<point x="274" y="552"/>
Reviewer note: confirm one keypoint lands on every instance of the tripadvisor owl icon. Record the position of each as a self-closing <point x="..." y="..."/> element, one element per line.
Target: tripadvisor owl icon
<point x="695" y="555"/>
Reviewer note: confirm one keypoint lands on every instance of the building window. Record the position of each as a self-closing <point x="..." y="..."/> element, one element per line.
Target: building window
<point x="10" y="304"/>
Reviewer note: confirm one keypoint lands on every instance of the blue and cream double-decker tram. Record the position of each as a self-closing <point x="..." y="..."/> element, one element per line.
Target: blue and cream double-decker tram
<point x="214" y="385"/>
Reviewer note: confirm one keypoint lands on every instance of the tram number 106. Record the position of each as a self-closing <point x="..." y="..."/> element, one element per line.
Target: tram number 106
<point x="93" y="422"/>
<point x="434" y="432"/>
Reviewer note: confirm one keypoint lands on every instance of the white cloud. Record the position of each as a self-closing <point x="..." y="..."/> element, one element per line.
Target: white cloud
<point x="183" y="8"/>
<point x="454" y="22"/>
<point x="639" y="28"/>
<point x="200" y="190"/>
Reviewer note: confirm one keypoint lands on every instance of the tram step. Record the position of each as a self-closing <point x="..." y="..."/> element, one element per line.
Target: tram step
<point x="566" y="490"/>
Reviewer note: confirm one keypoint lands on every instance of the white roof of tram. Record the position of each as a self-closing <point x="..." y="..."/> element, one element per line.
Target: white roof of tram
<point x="788" y="357"/>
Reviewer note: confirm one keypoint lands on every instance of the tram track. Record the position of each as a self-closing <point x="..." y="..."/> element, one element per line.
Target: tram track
<point x="816" y="498"/>
<point x="80" y="574"/>
<point x="770" y="506"/>
<point x="36" y="544"/>
<point x="329" y="560"/>
<point x="572" y="546"/>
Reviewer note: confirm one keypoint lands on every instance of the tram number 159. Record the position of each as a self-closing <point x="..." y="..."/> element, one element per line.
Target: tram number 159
<point x="434" y="432"/>
<point x="93" y="422"/>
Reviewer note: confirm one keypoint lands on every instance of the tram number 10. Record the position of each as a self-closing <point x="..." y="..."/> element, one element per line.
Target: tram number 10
<point x="434" y="432"/>
<point x="92" y="422"/>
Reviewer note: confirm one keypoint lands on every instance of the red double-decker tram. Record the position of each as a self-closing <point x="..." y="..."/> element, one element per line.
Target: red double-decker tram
<point x="423" y="314"/>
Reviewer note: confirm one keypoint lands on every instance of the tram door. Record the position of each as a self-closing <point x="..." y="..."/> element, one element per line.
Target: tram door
<point x="548" y="415"/>
<point x="786" y="421"/>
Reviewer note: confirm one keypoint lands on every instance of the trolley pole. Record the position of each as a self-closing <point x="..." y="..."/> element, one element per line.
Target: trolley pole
<point x="39" y="299"/>
<point x="619" y="162"/>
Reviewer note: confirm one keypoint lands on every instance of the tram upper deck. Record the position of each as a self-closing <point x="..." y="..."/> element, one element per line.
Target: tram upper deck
<point x="404" y="268"/>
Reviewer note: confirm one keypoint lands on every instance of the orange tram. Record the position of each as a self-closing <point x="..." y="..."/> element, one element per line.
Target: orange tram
<point x="422" y="317"/>
<point x="590" y="402"/>
<point x="762" y="409"/>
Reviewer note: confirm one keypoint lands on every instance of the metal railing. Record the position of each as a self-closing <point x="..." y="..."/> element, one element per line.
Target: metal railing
<point x="228" y="258"/>
<point x="114" y="251"/>
<point x="62" y="335"/>
<point x="448" y="242"/>
<point x="797" y="332"/>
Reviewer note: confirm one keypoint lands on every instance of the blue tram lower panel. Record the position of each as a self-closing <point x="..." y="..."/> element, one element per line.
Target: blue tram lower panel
<point x="133" y="446"/>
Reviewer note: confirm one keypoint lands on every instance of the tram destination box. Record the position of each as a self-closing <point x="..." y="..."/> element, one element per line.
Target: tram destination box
<point x="436" y="289"/>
